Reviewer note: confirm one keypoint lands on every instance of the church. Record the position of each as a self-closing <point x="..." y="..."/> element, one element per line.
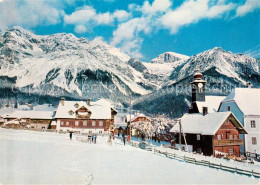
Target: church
<point x="203" y="129"/>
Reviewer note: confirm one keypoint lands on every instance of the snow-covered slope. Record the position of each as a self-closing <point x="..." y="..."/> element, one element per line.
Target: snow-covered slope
<point x="238" y="67"/>
<point x="163" y="65"/>
<point x="66" y="62"/>
<point x="169" y="57"/>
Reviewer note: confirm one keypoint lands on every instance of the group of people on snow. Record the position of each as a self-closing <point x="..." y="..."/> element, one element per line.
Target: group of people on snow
<point x="92" y="138"/>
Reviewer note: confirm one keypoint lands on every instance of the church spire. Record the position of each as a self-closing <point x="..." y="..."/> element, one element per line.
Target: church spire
<point x="198" y="86"/>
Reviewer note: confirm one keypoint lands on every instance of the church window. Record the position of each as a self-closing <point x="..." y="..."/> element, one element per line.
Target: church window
<point x="254" y="142"/>
<point x="253" y="124"/>
<point x="228" y="108"/>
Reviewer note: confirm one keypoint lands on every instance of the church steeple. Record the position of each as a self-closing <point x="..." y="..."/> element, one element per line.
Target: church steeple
<point x="198" y="87"/>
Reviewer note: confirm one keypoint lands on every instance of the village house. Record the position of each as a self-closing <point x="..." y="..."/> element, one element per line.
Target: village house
<point x="210" y="134"/>
<point x="84" y="116"/>
<point x="207" y="131"/>
<point x="244" y="103"/>
<point x="33" y="119"/>
<point x="136" y="119"/>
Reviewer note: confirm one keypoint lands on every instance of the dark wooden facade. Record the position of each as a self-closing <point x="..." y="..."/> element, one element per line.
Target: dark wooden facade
<point x="225" y="140"/>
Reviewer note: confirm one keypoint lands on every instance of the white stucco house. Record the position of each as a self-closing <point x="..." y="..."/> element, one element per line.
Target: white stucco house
<point x="244" y="103"/>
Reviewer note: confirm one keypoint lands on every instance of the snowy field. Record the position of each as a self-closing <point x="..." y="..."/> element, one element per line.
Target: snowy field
<point x="28" y="157"/>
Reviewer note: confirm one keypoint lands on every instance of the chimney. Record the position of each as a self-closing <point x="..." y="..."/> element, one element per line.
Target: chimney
<point x="88" y="102"/>
<point x="62" y="101"/>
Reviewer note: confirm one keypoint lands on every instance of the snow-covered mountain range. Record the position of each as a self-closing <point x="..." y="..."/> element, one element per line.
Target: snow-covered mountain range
<point x="64" y="65"/>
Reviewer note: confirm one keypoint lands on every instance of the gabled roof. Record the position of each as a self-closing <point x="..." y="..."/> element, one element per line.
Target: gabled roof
<point x="31" y="114"/>
<point x="100" y="109"/>
<point x="212" y="102"/>
<point x="140" y="116"/>
<point x="247" y="99"/>
<point x="206" y="125"/>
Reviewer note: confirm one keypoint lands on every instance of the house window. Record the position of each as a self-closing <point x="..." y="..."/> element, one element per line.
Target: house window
<point x="254" y="142"/>
<point x="253" y="124"/>
<point x="76" y="105"/>
<point x="67" y="123"/>
<point x="228" y="108"/>
<point x="219" y="137"/>
<point x="62" y="123"/>
<point x="100" y="123"/>
<point x="230" y="136"/>
<point x="198" y="137"/>
<point x="71" y="112"/>
<point x="84" y="123"/>
<point x="76" y="123"/>
<point x="122" y="119"/>
<point x="231" y="151"/>
<point x="93" y="123"/>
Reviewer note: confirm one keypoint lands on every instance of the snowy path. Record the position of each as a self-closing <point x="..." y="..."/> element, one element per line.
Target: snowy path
<point x="28" y="157"/>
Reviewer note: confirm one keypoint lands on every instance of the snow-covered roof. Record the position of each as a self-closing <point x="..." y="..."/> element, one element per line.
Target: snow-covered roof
<point x="141" y="115"/>
<point x="100" y="109"/>
<point x="206" y="125"/>
<point x="212" y="102"/>
<point x="247" y="99"/>
<point x="31" y="114"/>
<point x="6" y="111"/>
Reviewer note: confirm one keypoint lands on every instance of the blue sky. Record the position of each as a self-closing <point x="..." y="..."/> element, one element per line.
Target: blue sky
<point x="144" y="29"/>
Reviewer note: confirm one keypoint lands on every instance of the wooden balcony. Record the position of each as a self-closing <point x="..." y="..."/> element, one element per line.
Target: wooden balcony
<point x="227" y="142"/>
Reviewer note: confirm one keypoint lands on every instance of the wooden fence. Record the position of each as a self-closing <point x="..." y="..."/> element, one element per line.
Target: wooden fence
<point x="208" y="163"/>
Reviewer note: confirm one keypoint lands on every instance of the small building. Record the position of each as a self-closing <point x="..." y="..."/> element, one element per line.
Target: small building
<point x="85" y="116"/>
<point x="210" y="134"/>
<point x="136" y="120"/>
<point x="244" y="103"/>
<point x="35" y="119"/>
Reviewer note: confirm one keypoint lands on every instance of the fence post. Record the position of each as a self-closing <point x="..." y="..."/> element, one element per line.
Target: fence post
<point x="184" y="158"/>
<point x="252" y="172"/>
<point x="220" y="166"/>
<point x="166" y="154"/>
<point x="236" y="169"/>
<point x="174" y="156"/>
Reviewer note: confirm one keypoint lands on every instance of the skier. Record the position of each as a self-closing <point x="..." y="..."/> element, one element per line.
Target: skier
<point x="71" y="135"/>
<point x="123" y="136"/>
<point x="92" y="138"/>
<point x="89" y="138"/>
<point x="95" y="138"/>
<point x="128" y="138"/>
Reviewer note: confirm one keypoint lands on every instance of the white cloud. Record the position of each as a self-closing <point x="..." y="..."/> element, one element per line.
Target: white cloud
<point x="29" y="13"/>
<point x="127" y="36"/>
<point x="157" y="6"/>
<point x="80" y="16"/>
<point x="193" y="11"/>
<point x="80" y="29"/>
<point x="87" y="15"/>
<point x="121" y="15"/>
<point x="249" y="6"/>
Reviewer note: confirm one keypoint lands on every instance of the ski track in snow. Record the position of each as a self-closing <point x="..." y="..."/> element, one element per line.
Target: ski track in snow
<point x="29" y="157"/>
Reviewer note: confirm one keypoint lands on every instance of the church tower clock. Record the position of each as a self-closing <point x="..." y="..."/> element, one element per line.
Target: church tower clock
<point x="198" y="87"/>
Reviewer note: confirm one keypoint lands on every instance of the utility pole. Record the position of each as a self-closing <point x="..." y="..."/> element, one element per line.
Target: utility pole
<point x="130" y="110"/>
<point x="179" y="120"/>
